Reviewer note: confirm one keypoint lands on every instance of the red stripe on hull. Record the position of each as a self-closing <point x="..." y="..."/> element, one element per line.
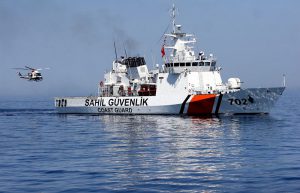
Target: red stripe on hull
<point x="201" y="104"/>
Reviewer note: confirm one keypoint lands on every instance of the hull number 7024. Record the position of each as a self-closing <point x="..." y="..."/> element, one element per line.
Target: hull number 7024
<point x="242" y="101"/>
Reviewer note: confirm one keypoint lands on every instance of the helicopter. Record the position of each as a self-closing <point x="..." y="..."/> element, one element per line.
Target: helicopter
<point x="32" y="75"/>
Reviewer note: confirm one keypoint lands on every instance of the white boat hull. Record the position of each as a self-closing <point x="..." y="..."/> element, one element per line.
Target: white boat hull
<point x="249" y="101"/>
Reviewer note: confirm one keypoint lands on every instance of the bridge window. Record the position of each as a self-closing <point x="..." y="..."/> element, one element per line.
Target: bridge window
<point x="195" y="64"/>
<point x="188" y="64"/>
<point x="207" y="63"/>
<point x="201" y="63"/>
<point x="176" y="64"/>
<point x="213" y="63"/>
<point x="182" y="64"/>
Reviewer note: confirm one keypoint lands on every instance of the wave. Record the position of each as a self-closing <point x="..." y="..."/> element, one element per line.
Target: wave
<point x="16" y="111"/>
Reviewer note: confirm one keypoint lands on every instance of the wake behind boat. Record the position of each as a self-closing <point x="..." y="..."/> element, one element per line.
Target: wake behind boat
<point x="187" y="83"/>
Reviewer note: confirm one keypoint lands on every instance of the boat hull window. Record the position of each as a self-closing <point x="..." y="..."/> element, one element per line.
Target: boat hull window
<point x="147" y="90"/>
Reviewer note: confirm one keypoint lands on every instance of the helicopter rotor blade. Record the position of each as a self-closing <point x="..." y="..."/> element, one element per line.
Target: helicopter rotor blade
<point x="43" y="68"/>
<point x="29" y="68"/>
<point x="20" y="68"/>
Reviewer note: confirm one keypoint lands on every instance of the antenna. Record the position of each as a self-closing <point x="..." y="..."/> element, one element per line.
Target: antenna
<point x="152" y="57"/>
<point x="125" y="50"/>
<point x="115" y="50"/>
<point x="284" y="83"/>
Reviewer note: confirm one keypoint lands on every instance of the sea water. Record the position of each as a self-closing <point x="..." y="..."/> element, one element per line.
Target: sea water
<point x="41" y="151"/>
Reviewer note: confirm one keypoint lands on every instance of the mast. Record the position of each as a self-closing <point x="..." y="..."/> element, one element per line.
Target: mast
<point x="125" y="50"/>
<point x="115" y="50"/>
<point x="173" y="18"/>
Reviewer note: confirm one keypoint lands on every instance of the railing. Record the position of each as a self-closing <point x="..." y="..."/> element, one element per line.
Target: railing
<point x="107" y="92"/>
<point x="220" y="89"/>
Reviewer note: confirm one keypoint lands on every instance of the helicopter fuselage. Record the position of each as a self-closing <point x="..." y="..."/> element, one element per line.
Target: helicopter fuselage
<point x="32" y="76"/>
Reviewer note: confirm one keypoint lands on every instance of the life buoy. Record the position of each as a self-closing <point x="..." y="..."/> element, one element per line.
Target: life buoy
<point x="101" y="84"/>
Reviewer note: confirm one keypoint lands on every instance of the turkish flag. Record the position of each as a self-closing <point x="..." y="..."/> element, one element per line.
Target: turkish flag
<point x="163" y="51"/>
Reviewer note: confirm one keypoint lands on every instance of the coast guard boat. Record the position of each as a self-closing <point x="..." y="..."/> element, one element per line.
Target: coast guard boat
<point x="187" y="83"/>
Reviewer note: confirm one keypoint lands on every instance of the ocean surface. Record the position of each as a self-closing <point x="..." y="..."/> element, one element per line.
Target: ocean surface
<point x="41" y="151"/>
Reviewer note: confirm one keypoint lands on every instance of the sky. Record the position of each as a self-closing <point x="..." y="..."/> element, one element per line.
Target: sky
<point x="255" y="40"/>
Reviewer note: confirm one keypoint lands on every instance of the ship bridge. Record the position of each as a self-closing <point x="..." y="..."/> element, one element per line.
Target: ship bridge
<point x="182" y="56"/>
<point x="191" y="66"/>
<point x="201" y="73"/>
